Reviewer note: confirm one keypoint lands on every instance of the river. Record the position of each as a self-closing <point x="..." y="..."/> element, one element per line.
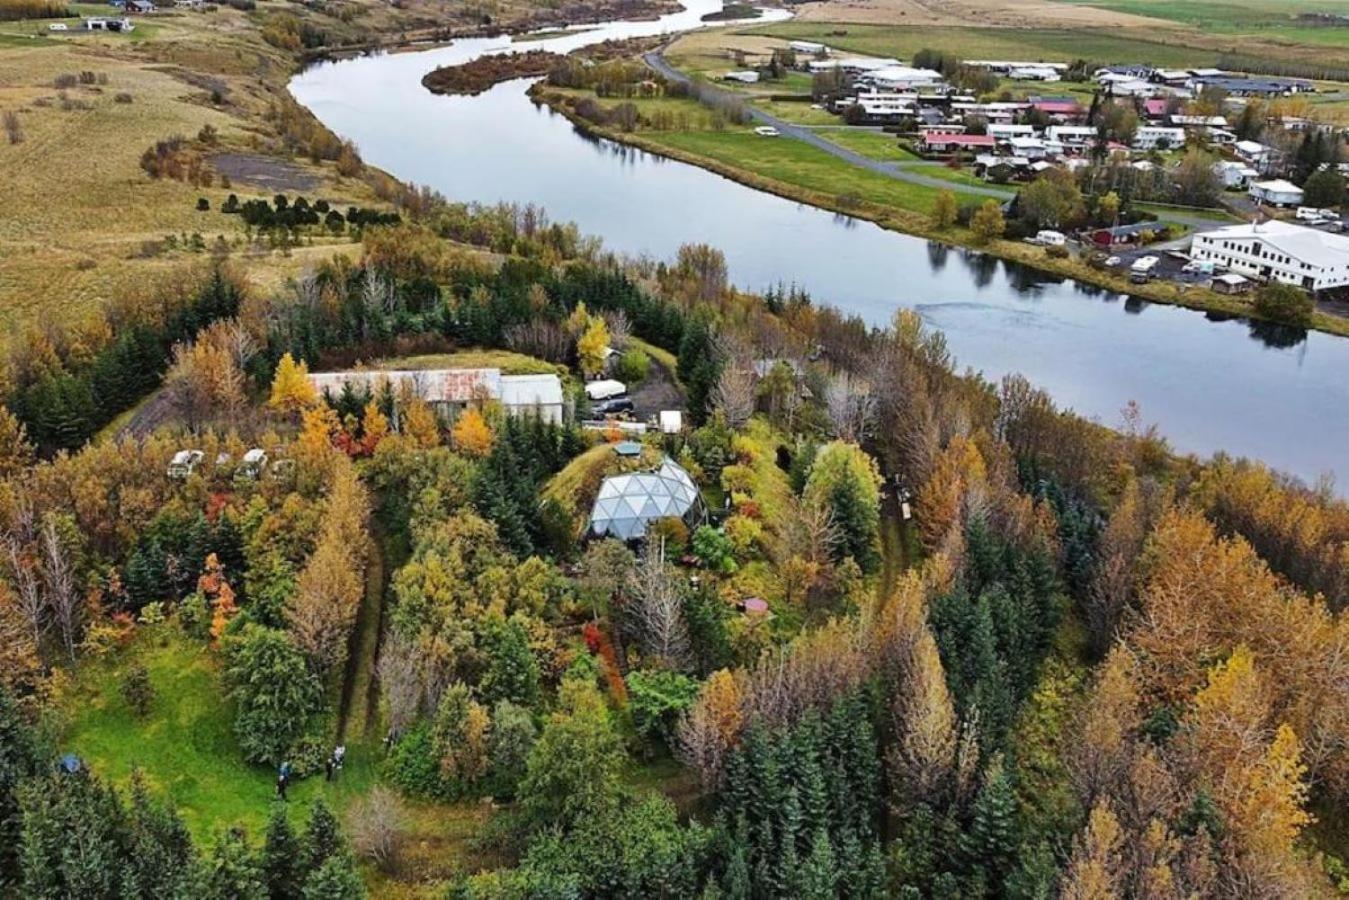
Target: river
<point x="1208" y="384"/>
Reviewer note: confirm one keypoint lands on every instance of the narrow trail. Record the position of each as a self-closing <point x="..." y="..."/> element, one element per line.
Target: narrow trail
<point x="359" y="705"/>
<point x="894" y="548"/>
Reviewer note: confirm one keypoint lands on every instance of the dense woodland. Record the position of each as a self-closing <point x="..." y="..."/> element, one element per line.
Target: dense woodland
<point x="1085" y="668"/>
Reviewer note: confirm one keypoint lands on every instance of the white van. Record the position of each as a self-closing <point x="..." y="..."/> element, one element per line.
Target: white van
<point x="1312" y="214"/>
<point x="1142" y="269"/>
<point x="1048" y="238"/>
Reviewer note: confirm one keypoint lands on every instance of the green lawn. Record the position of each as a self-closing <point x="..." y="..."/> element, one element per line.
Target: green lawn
<point x="1236" y="16"/>
<point x="797" y="163"/>
<point x="1054" y="45"/>
<point x="185" y="747"/>
<point x="871" y="144"/>
<point x="799" y="113"/>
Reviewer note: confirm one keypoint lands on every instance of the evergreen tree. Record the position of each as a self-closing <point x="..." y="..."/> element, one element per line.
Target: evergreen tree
<point x="989" y="844"/>
<point x="230" y="872"/>
<point x="20" y="759"/>
<point x="819" y="877"/>
<point x="73" y="810"/>
<point x="281" y="859"/>
<point x="162" y="856"/>
<point x="512" y="671"/>
<point x="322" y="837"/>
<point x="336" y="879"/>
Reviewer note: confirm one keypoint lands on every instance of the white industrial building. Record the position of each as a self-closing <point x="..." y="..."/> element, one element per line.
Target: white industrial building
<point x="1278" y="251"/>
<point x="453" y="389"/>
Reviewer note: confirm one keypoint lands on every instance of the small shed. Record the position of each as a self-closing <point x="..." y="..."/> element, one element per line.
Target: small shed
<point x="671" y="421"/>
<point x="1231" y="283"/>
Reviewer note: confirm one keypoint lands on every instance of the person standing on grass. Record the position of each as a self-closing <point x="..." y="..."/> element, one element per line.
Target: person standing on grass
<point x="328" y="769"/>
<point x="281" y="786"/>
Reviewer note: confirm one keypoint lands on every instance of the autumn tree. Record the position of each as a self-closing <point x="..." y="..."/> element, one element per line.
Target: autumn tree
<point x="846" y="480"/>
<point x="292" y="391"/>
<point x="1093" y="870"/>
<point x="591" y="347"/>
<point x="944" y="210"/>
<point x="988" y="223"/>
<point x="472" y="434"/>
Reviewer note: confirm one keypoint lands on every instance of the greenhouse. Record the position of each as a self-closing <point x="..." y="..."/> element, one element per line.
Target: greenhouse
<point x="627" y="503"/>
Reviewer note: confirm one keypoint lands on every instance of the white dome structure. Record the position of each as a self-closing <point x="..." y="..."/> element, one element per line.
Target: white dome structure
<point x="627" y="503"/>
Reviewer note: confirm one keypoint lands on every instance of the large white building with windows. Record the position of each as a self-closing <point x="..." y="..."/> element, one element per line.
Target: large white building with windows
<point x="1278" y="251"/>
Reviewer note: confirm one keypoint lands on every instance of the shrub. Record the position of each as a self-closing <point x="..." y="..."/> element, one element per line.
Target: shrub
<point x="137" y="691"/>
<point x="633" y="366"/>
<point x="1284" y="303"/>
<point x="121" y="97"/>
<point x="65" y="81"/>
<point x="1056" y="252"/>
<point x="203" y="205"/>
<point x="13" y="127"/>
<point x="657" y="700"/>
<point x="714" y="549"/>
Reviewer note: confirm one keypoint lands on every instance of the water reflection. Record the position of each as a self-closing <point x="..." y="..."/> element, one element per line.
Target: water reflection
<point x="937" y="252"/>
<point x="1275" y="335"/>
<point x="1208" y="383"/>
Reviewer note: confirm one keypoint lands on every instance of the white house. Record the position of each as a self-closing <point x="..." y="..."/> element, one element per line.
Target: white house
<point x="1152" y="137"/>
<point x="1034" y="73"/>
<point x="1255" y="153"/>
<point x="1005" y="131"/>
<point x="1075" y="136"/>
<point x="903" y="78"/>
<point x="1234" y="175"/>
<point x="1276" y="192"/>
<point x="1031" y="148"/>
<point x="1279" y="251"/>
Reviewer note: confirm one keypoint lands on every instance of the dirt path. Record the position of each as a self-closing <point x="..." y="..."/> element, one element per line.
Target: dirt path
<point x="359" y="708"/>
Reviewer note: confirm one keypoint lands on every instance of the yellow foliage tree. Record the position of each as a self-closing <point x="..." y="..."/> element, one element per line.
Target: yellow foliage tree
<point x="988" y="222"/>
<point x="419" y="423"/>
<point x="472" y="434"/>
<point x="1093" y="873"/>
<point x="944" y="210"/>
<point x="374" y="427"/>
<point x="291" y="388"/>
<point x="590" y="346"/>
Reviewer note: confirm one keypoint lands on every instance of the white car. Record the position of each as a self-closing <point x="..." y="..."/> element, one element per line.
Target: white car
<point x="766" y="131"/>
<point x="58" y="26"/>
<point x="1113" y="261"/>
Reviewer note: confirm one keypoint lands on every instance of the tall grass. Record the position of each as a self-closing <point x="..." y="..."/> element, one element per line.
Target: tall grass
<point x="14" y="10"/>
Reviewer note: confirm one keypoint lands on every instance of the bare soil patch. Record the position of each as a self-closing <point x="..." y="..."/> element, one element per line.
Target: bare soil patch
<point x="265" y="172"/>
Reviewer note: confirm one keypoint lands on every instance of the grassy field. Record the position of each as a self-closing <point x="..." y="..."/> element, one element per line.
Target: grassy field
<point x="871" y="144"/>
<point x="1061" y="45"/>
<point x="1234" y="16"/>
<point x="185" y="747"/>
<point x="796" y="163"/>
<point x="800" y="113"/>
<point x="508" y="362"/>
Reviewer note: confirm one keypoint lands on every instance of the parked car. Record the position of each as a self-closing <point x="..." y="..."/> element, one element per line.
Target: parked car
<point x="58" y="26"/>
<point x="612" y="407"/>
<point x="1113" y="262"/>
<point x="766" y="131"/>
<point x="1198" y="267"/>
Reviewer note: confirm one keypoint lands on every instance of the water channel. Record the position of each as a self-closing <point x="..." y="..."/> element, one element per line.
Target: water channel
<point x="1209" y="384"/>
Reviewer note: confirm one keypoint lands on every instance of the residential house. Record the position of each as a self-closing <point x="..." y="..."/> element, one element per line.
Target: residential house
<point x="1234" y="175"/>
<point x="1278" y="251"/>
<point x="1005" y="131"/>
<point x="955" y="143"/>
<point x="1073" y="137"/>
<point x="1059" y="109"/>
<point x="1155" y="137"/>
<point x="1276" y="192"/>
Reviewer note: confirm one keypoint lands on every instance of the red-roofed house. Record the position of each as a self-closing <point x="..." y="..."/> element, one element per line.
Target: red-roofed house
<point x="1060" y="109"/>
<point x="951" y="143"/>
<point x="1154" y="107"/>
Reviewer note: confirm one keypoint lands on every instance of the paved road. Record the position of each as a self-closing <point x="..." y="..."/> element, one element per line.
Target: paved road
<point x="897" y="170"/>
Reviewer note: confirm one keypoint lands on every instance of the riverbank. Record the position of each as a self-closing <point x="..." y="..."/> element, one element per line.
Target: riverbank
<point x="811" y="178"/>
<point x="203" y="96"/>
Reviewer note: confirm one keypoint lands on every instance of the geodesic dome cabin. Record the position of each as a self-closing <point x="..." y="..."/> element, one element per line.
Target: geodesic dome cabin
<point x="627" y="503"/>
